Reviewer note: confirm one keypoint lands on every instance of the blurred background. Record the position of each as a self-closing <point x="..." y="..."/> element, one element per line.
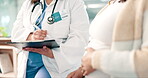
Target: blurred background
<point x="10" y="8"/>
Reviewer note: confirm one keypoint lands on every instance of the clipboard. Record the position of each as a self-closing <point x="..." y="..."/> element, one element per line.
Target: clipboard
<point x="35" y="44"/>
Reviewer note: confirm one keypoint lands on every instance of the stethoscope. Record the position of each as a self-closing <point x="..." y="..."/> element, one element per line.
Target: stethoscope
<point x="50" y="19"/>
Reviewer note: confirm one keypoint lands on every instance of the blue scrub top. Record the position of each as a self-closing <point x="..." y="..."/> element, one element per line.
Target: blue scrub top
<point x="34" y="62"/>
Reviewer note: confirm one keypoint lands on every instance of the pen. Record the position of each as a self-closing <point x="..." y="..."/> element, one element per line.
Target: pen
<point x="36" y="27"/>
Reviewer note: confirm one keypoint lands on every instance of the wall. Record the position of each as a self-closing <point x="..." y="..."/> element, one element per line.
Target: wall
<point x="8" y="12"/>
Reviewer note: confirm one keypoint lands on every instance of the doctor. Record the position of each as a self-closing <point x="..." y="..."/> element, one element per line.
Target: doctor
<point x="66" y="21"/>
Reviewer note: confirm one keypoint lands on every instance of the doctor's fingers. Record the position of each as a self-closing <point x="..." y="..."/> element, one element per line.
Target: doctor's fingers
<point x="39" y="37"/>
<point x="40" y="31"/>
<point x="78" y="73"/>
<point x="38" y="50"/>
<point x="87" y="70"/>
<point x="33" y="50"/>
<point x="71" y="74"/>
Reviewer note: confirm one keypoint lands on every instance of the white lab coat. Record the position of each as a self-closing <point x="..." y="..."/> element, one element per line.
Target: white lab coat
<point x="71" y="34"/>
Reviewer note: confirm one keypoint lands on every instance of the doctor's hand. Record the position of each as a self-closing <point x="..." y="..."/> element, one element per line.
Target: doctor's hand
<point x="76" y="74"/>
<point x="37" y="35"/>
<point x="86" y="62"/>
<point x="44" y="51"/>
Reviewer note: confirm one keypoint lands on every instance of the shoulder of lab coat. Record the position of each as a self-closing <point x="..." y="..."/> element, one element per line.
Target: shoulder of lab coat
<point x="19" y="32"/>
<point x="71" y="51"/>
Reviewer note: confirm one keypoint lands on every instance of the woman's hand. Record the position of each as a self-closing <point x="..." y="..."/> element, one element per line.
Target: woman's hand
<point x="76" y="74"/>
<point x="44" y="51"/>
<point x="86" y="62"/>
<point x="37" y="35"/>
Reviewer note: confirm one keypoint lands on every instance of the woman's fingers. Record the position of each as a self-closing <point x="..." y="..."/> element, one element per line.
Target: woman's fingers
<point x="90" y="50"/>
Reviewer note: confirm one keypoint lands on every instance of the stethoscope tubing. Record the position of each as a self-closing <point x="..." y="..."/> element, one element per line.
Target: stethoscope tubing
<point x="40" y="3"/>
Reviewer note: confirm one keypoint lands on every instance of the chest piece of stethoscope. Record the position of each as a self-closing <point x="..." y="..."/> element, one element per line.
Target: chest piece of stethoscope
<point x="50" y="20"/>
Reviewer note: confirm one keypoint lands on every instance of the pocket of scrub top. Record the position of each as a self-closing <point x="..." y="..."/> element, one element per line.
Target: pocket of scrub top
<point x="61" y="28"/>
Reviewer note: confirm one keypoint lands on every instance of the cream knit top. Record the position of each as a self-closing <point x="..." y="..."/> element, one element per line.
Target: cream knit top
<point x="102" y="26"/>
<point x="101" y="31"/>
